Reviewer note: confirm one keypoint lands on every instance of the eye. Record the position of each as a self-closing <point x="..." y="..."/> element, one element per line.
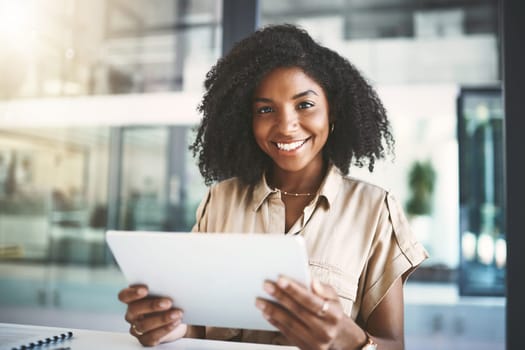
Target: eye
<point x="305" y="104"/>
<point x="264" y="110"/>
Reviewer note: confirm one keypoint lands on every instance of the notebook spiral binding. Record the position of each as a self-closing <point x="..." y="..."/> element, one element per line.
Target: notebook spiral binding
<point x="47" y="341"/>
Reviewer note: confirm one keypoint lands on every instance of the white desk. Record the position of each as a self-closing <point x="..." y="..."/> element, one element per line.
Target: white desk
<point x="89" y="340"/>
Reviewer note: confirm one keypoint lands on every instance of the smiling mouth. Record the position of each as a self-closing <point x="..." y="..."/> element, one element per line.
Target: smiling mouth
<point x="290" y="146"/>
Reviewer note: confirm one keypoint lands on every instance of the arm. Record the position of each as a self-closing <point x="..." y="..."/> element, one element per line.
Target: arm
<point x="300" y="319"/>
<point x="385" y="324"/>
<point x="386" y="321"/>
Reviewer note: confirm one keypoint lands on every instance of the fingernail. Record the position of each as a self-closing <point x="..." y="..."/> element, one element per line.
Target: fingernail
<point x="317" y="286"/>
<point x="175" y="315"/>
<point x="282" y="282"/>
<point x="141" y="292"/>
<point x="269" y="287"/>
<point x="260" y="304"/>
<point x="163" y="304"/>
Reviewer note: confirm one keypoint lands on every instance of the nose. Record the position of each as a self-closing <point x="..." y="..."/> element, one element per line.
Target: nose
<point x="288" y="120"/>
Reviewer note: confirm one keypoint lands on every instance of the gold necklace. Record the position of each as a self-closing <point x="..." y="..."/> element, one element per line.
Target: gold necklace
<point x="293" y="194"/>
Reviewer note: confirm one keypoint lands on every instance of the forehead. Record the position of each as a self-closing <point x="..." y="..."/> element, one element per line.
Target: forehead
<point x="287" y="79"/>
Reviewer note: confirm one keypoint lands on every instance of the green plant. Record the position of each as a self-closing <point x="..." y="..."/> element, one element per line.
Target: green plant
<point x="421" y="179"/>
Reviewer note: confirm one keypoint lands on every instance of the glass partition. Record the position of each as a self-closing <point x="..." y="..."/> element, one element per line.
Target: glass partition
<point x="54" y="185"/>
<point x="482" y="224"/>
<point x="52" y="192"/>
<point x="143" y="187"/>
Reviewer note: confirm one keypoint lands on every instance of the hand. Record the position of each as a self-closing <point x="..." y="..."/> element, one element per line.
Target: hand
<point x="309" y="319"/>
<point x="152" y="319"/>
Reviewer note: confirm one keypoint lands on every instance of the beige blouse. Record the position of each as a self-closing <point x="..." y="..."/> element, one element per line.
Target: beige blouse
<point x="356" y="233"/>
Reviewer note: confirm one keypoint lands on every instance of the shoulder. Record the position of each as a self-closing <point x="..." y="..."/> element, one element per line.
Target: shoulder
<point x="230" y="185"/>
<point x="390" y="220"/>
<point x="363" y="191"/>
<point x="377" y="199"/>
<point x="368" y="201"/>
<point x="347" y="193"/>
<point x="225" y="202"/>
<point x="232" y="190"/>
<point x="368" y="188"/>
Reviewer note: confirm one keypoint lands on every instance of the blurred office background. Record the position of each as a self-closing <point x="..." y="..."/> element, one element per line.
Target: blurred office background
<point x="98" y="101"/>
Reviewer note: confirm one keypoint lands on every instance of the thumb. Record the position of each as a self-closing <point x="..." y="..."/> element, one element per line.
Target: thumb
<point x="177" y="333"/>
<point x="323" y="290"/>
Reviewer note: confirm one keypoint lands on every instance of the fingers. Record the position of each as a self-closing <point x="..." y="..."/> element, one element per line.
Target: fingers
<point x="132" y="293"/>
<point x="290" y="326"/>
<point x="137" y="309"/>
<point x="303" y="316"/>
<point x="154" y="337"/>
<point x="151" y="322"/>
<point x="324" y="291"/>
<point x="152" y="319"/>
<point x="302" y="310"/>
<point x="297" y="298"/>
<point x="303" y="332"/>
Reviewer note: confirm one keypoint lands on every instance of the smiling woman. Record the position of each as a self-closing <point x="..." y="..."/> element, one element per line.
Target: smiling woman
<point x="283" y="119"/>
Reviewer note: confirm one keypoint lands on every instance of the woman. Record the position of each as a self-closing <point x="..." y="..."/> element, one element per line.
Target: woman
<point x="283" y="119"/>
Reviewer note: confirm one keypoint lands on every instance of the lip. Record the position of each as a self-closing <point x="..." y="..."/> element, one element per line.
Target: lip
<point x="290" y="146"/>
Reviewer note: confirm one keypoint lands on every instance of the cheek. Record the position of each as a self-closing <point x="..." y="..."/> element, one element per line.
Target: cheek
<point x="260" y="132"/>
<point x="321" y="124"/>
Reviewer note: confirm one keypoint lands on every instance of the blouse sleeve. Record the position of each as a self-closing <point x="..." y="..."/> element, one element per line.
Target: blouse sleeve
<point x="201" y="222"/>
<point x="395" y="253"/>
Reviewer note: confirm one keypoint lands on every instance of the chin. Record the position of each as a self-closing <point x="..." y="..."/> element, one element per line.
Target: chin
<point x="292" y="166"/>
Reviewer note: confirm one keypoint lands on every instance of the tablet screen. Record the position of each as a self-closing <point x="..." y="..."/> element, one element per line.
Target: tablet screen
<point x="214" y="278"/>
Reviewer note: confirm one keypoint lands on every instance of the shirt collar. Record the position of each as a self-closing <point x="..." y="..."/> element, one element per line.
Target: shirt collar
<point x="328" y="190"/>
<point x="261" y="191"/>
<point x="331" y="184"/>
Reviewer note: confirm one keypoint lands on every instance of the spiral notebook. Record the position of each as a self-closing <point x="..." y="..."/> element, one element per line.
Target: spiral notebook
<point x="15" y="337"/>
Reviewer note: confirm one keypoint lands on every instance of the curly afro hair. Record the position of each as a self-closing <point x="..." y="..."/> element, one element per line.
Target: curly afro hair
<point x="224" y="142"/>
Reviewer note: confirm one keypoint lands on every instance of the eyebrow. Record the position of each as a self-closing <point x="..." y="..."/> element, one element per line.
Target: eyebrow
<point x="304" y="93"/>
<point x="294" y="97"/>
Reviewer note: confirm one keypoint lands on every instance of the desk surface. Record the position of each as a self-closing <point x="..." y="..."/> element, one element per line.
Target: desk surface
<point x="88" y="340"/>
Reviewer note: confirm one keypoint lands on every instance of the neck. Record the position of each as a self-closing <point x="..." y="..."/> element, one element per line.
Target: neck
<point x="300" y="183"/>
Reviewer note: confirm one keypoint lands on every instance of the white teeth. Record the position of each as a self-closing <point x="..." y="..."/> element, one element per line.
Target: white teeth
<point x="290" y="146"/>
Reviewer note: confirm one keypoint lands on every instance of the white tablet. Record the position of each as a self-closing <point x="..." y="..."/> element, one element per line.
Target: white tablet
<point x="214" y="278"/>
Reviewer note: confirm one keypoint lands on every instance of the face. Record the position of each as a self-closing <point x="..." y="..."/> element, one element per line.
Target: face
<point x="291" y="119"/>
